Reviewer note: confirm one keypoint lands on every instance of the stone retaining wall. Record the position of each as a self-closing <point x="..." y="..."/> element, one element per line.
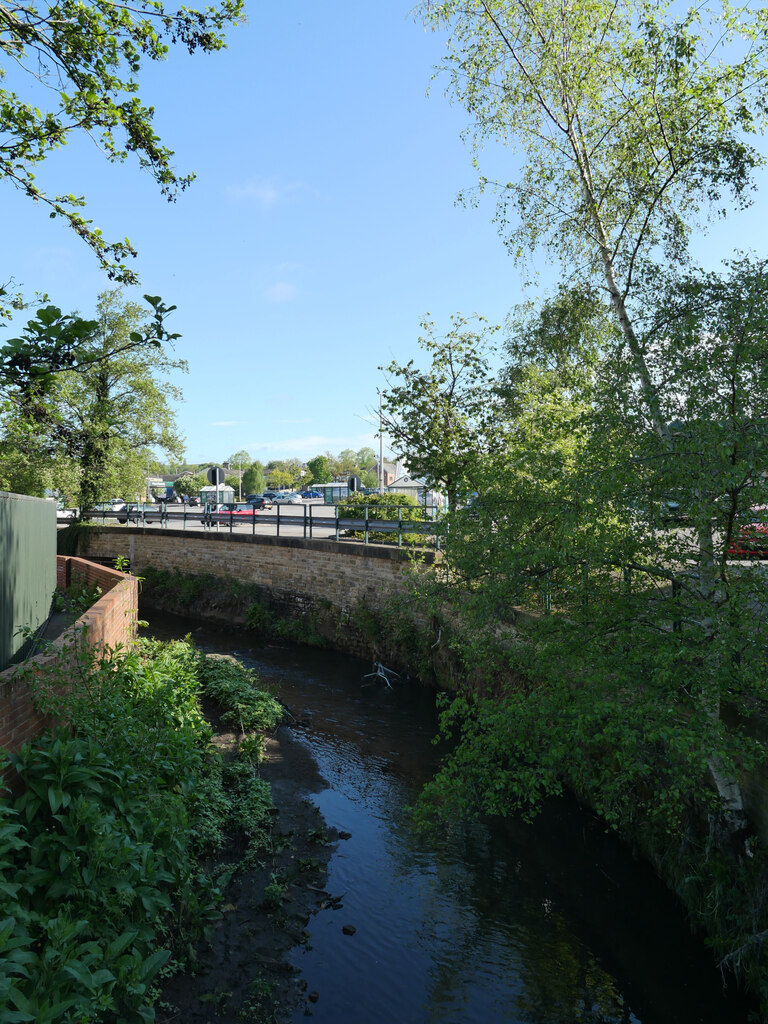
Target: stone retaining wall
<point x="110" y="622"/>
<point x="294" y="572"/>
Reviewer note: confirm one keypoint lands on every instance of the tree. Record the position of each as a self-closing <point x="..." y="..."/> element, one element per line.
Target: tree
<point x="297" y="472"/>
<point x="632" y="121"/>
<point x="25" y="458"/>
<point x="612" y="684"/>
<point x="253" y="478"/>
<point x="53" y="342"/>
<point x="280" y="478"/>
<point x="285" y="473"/>
<point x="347" y="462"/>
<point x="88" y="56"/>
<point x="95" y="425"/>
<point x="240" y="460"/>
<point x="627" y="122"/>
<point x="320" y="468"/>
<point x="189" y="486"/>
<point x="438" y="419"/>
<point x="366" y="458"/>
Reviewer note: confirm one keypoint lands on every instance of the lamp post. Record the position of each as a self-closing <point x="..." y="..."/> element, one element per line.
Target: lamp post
<point x="381" y="448"/>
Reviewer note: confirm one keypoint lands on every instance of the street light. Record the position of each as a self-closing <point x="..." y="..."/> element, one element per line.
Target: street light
<point x="381" y="448"/>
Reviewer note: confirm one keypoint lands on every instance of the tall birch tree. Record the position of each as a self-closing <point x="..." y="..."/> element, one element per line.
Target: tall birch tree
<point x="633" y="123"/>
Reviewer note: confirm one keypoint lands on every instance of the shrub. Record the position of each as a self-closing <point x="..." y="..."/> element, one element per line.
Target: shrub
<point x="100" y="876"/>
<point x="384" y="506"/>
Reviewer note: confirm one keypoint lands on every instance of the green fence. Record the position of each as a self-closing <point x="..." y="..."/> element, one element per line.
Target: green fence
<point x="27" y="569"/>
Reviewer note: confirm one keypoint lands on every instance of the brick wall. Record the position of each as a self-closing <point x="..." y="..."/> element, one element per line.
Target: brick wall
<point x="291" y="569"/>
<point x="110" y="622"/>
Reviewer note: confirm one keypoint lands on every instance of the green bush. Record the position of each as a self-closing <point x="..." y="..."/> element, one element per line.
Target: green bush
<point x="100" y="854"/>
<point x="384" y="506"/>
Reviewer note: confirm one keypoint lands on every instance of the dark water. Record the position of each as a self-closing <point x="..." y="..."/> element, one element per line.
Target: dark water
<point x="553" y="923"/>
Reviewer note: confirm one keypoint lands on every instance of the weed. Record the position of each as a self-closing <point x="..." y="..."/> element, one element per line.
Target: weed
<point x="234" y="689"/>
<point x="319" y="836"/>
<point x="274" y="893"/>
<point x="251" y="749"/>
<point x="77" y="598"/>
<point x="262" y="1006"/>
<point x="299" y="631"/>
<point x="251" y="805"/>
<point x="306" y="865"/>
<point x="259" y="618"/>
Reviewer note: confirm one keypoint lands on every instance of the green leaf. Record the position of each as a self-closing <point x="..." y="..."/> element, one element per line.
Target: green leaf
<point x="153" y="963"/>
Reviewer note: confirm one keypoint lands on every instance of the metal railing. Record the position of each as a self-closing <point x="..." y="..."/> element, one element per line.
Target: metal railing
<point x="285" y="520"/>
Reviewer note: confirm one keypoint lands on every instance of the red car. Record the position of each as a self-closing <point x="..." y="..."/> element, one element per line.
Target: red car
<point x="751" y="541"/>
<point x="238" y="513"/>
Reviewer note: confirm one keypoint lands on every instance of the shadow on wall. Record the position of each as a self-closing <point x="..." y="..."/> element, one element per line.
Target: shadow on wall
<point x="27" y="569"/>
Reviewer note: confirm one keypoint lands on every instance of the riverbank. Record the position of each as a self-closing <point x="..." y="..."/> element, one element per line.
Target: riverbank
<point x="243" y="974"/>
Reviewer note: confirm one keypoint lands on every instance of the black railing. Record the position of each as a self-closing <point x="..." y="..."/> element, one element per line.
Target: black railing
<point x="284" y="520"/>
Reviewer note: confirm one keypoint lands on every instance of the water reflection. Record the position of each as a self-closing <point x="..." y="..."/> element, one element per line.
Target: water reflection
<point x="553" y="923"/>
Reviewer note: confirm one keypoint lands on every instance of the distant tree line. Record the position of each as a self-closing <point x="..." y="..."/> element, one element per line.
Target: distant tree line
<point x="281" y="474"/>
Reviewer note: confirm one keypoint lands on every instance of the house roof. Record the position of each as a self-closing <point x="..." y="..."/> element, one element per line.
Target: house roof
<point x="408" y="481"/>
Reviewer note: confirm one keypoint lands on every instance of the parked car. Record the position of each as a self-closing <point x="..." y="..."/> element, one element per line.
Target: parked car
<point x="258" y="502"/>
<point x="307" y="495"/>
<point x="751" y="540"/>
<point x="289" y="498"/>
<point x="234" y="512"/>
<point x="270" y="494"/>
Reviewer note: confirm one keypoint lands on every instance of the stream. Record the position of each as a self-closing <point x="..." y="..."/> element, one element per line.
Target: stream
<point x="488" y="923"/>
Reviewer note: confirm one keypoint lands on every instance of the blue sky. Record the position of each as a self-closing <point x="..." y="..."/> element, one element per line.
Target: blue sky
<point x="321" y="228"/>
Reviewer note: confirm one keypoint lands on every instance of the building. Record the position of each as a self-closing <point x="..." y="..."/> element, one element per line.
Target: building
<point x="390" y="471"/>
<point x="217" y="494"/>
<point x="418" y="489"/>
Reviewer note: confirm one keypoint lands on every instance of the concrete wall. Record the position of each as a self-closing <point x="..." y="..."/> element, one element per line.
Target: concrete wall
<point x="111" y="622"/>
<point x="296" y="572"/>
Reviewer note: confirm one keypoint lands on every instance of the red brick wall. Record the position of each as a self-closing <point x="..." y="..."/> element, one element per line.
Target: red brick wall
<point x="110" y="622"/>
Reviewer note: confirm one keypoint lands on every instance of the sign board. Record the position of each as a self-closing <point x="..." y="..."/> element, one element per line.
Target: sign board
<point x="215" y="475"/>
<point x="355" y="484"/>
